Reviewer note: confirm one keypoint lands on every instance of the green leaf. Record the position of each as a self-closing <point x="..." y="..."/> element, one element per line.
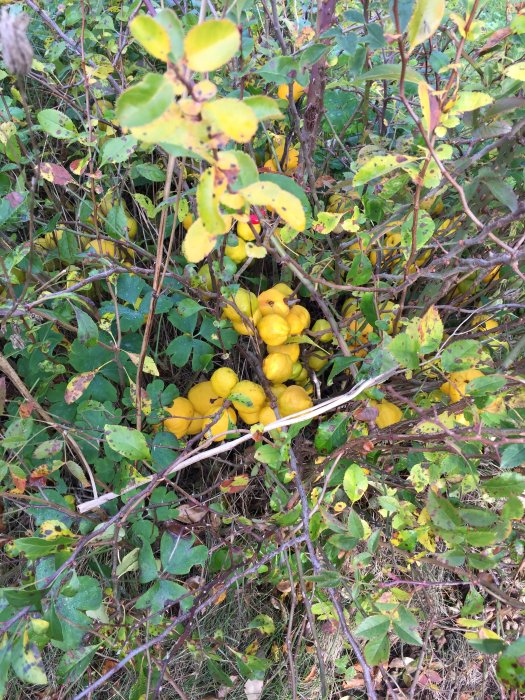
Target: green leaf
<point x="265" y="108"/>
<point x="355" y="482"/>
<point x="5" y="662"/>
<point x="339" y="365"/>
<point x="443" y="514"/>
<point x="87" y="328"/>
<point x="179" y="350"/>
<point x="473" y="604"/>
<point x="117" y="150"/>
<point x="425" y="20"/>
<point x="56" y="124"/>
<point x="172" y="24"/>
<point x="507" y="484"/>
<point x="332" y="433"/>
<point x="147" y="564"/>
<point x="178" y="555"/>
<point x="162" y="594"/>
<point x="127" y="442"/>
<point x="207" y="202"/>
<point x="368" y="308"/>
<point x="325" y="579"/>
<point x="377" y="651"/>
<point x="263" y="623"/>
<point x="75" y="662"/>
<point x="463" y="354"/>
<point x="487" y="646"/>
<point x="390" y="72"/>
<point x="373" y="627"/>
<point x="17" y="433"/>
<point x="405" y="626"/>
<point x="424" y="232"/>
<point x="477" y="517"/>
<point x="143" y="103"/>
<point x="48" y="448"/>
<point x="378" y="166"/>
<point x="405" y="350"/>
<point x="512" y="456"/>
<point x="513" y="509"/>
<point x="486" y="386"/>
<point x="355" y="525"/>
<point x="210" y="45"/>
<point x="361" y="270"/>
<point x="27" y="662"/>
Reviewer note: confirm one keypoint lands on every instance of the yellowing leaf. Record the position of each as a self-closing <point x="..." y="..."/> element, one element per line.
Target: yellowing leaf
<point x="198" y="242"/>
<point x="425" y="19"/>
<point x="429" y="107"/>
<point x="430" y="331"/>
<point x="268" y="194"/>
<point x="379" y="165"/>
<point x="149" y="366"/>
<point x="231" y="117"/>
<point x="52" y="529"/>
<point x="208" y="200"/>
<point x="466" y="622"/>
<point x="210" y="45"/>
<point x="469" y="101"/>
<point x="151" y="35"/>
<point x="77" y="386"/>
<point x="517" y="71"/>
<point x="255" y="251"/>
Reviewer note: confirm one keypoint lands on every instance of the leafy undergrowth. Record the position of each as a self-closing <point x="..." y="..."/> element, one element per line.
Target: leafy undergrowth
<point x="262" y="352"/>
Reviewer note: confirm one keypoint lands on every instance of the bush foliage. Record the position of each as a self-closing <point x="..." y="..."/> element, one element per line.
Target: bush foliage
<point x="262" y="349"/>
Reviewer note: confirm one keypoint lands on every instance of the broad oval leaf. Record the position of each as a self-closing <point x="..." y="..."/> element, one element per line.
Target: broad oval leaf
<point x="378" y="166"/>
<point x="391" y="72"/>
<point x="287" y="205"/>
<point x="208" y="202"/>
<point x="264" y="107"/>
<point x="426" y="16"/>
<point x="128" y="442"/>
<point x="355" y="482"/>
<point x="198" y="242"/>
<point x="151" y="35"/>
<point x="231" y="117"/>
<point x="145" y="102"/>
<point x="210" y="45"/>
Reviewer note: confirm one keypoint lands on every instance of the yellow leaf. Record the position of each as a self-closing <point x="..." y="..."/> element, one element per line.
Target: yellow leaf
<point x="231" y="117"/>
<point x="51" y="529"/>
<point x="467" y="622"/>
<point x="517" y="71"/>
<point x="268" y="194"/>
<point x="208" y="193"/>
<point x="425" y="19"/>
<point x="469" y="101"/>
<point x="210" y="45"/>
<point x="198" y="242"/>
<point x="149" y="33"/>
<point x="255" y="251"/>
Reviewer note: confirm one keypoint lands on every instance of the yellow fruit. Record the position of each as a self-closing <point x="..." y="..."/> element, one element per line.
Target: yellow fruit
<point x="132" y="227"/>
<point x="249" y="396"/>
<point x="290" y="164"/>
<point x="278" y="389"/>
<point x="285" y="290"/>
<point x="323" y="325"/>
<point x="245" y="301"/>
<point x="297" y="370"/>
<point x="181" y="410"/>
<point x="303" y="377"/>
<point x="188" y="220"/>
<point x="298" y="319"/>
<point x="273" y="329"/>
<point x="358" y="331"/>
<point x="485" y="323"/>
<point x="388" y="414"/>
<point x="293" y="400"/>
<point x="349" y="307"/>
<point x="226" y="421"/>
<point x="249" y="417"/>
<point x="237" y="252"/>
<point x="196" y="424"/>
<point x="272" y="302"/>
<point x="270" y="165"/>
<point x="318" y="360"/>
<point x="277" y="367"/>
<point x="291" y="349"/>
<point x="245" y="232"/>
<point x="245" y="328"/>
<point x="456" y="387"/>
<point x="106" y="203"/>
<point x="267" y="415"/>
<point x="223" y="380"/>
<point x="284" y="90"/>
<point x="104" y="248"/>
<point x="204" y="398"/>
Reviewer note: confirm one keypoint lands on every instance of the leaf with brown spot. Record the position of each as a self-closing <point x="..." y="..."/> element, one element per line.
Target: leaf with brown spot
<point x="367" y="414"/>
<point x="56" y="174"/>
<point x="236" y="484"/>
<point x="78" y="385"/>
<point x="190" y="514"/>
<point x="78" y="167"/>
<point x="430" y="331"/>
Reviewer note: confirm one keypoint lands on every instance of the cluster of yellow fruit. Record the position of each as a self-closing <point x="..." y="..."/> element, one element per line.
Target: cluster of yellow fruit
<point x="277" y="153"/>
<point x="456" y="387"/>
<point x="207" y="407"/>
